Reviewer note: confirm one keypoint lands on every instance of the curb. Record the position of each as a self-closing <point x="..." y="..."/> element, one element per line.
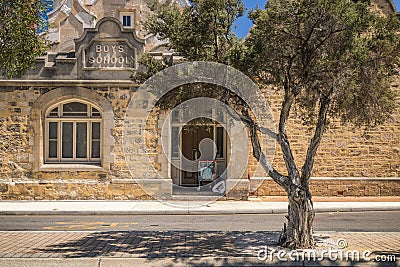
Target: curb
<point x="189" y="211"/>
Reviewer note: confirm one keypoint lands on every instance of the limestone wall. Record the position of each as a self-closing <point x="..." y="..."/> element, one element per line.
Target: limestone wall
<point x="342" y="187"/>
<point x="17" y="176"/>
<point x="345" y="152"/>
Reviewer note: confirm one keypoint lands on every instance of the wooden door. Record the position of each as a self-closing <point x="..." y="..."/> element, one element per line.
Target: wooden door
<point x="190" y="150"/>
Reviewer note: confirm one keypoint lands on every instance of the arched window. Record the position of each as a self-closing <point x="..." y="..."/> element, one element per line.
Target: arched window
<point x="73" y="133"/>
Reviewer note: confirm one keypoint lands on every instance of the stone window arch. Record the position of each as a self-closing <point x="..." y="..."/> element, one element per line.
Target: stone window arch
<point x="73" y="132"/>
<point x="80" y="113"/>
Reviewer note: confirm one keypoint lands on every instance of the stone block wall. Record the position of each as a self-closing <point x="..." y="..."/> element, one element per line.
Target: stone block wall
<point x="18" y="180"/>
<point x="345" y="151"/>
<point x="342" y="187"/>
<point x="15" y="132"/>
<point x="85" y="189"/>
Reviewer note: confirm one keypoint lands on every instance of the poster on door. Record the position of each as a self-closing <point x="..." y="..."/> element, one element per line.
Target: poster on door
<point x="207" y="170"/>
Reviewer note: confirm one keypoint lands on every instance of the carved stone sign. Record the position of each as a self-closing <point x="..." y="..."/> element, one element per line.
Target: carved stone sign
<point x="108" y="51"/>
<point x="106" y="54"/>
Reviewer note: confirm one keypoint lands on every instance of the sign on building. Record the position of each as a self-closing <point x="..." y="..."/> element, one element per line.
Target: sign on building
<point x="108" y="51"/>
<point x="110" y="54"/>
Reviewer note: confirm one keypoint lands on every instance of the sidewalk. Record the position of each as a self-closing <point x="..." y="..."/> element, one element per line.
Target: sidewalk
<point x="189" y="248"/>
<point x="265" y="205"/>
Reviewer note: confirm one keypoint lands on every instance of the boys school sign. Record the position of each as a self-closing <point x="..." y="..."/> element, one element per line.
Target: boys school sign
<point x="108" y="51"/>
<point x="110" y="54"/>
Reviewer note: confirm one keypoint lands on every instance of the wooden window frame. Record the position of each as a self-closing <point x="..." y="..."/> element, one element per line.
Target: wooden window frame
<point x="61" y="119"/>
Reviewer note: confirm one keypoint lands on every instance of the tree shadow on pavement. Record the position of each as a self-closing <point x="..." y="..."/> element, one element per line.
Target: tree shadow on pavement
<point x="184" y="248"/>
<point x="146" y="244"/>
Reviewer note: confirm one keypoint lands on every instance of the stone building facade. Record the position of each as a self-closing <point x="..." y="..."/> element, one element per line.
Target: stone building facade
<point x="63" y="131"/>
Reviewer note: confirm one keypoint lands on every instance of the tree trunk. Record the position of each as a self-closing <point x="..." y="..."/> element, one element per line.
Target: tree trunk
<point x="298" y="231"/>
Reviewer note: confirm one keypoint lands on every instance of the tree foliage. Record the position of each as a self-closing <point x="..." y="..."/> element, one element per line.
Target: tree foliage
<point x="202" y="31"/>
<point x="20" y="43"/>
<point x="337" y="50"/>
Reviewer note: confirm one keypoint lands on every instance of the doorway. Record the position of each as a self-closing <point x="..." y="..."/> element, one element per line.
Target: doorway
<point x="204" y="143"/>
<point x="191" y="150"/>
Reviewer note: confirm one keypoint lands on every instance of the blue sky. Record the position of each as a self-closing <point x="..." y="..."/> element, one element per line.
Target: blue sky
<point x="244" y="24"/>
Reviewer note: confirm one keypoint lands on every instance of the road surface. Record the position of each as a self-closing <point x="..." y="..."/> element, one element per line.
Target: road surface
<point x="383" y="221"/>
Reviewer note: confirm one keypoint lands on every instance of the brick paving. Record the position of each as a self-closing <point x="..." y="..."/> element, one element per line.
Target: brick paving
<point x="378" y="243"/>
<point x="130" y="244"/>
<point x="173" y="244"/>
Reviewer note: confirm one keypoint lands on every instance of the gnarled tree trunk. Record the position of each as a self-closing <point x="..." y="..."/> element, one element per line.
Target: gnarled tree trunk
<point x="298" y="231"/>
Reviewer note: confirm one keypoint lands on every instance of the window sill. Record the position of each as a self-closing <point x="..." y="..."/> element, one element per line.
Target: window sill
<point x="51" y="167"/>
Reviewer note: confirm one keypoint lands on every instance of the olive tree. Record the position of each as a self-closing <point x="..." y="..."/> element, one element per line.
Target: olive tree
<point x="330" y="59"/>
<point x="333" y="59"/>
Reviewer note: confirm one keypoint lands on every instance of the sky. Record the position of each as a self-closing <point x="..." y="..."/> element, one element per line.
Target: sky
<point x="244" y="24"/>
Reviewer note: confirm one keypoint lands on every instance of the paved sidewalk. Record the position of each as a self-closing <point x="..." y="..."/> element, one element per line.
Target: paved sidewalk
<point x="171" y="248"/>
<point x="257" y="206"/>
<point x="188" y="248"/>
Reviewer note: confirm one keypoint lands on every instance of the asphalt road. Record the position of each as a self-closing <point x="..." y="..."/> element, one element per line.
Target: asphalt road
<point x="383" y="221"/>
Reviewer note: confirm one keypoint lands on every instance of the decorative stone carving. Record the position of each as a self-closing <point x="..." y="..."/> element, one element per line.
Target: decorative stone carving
<point x="108" y="51"/>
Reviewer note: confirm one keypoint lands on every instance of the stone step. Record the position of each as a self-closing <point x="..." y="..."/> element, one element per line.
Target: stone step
<point x="196" y="198"/>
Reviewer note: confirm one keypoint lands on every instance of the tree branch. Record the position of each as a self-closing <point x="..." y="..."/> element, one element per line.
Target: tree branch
<point x="282" y="180"/>
<point x="245" y="117"/>
<point x="216" y="39"/>
<point x="283" y="139"/>
<point x="315" y="141"/>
